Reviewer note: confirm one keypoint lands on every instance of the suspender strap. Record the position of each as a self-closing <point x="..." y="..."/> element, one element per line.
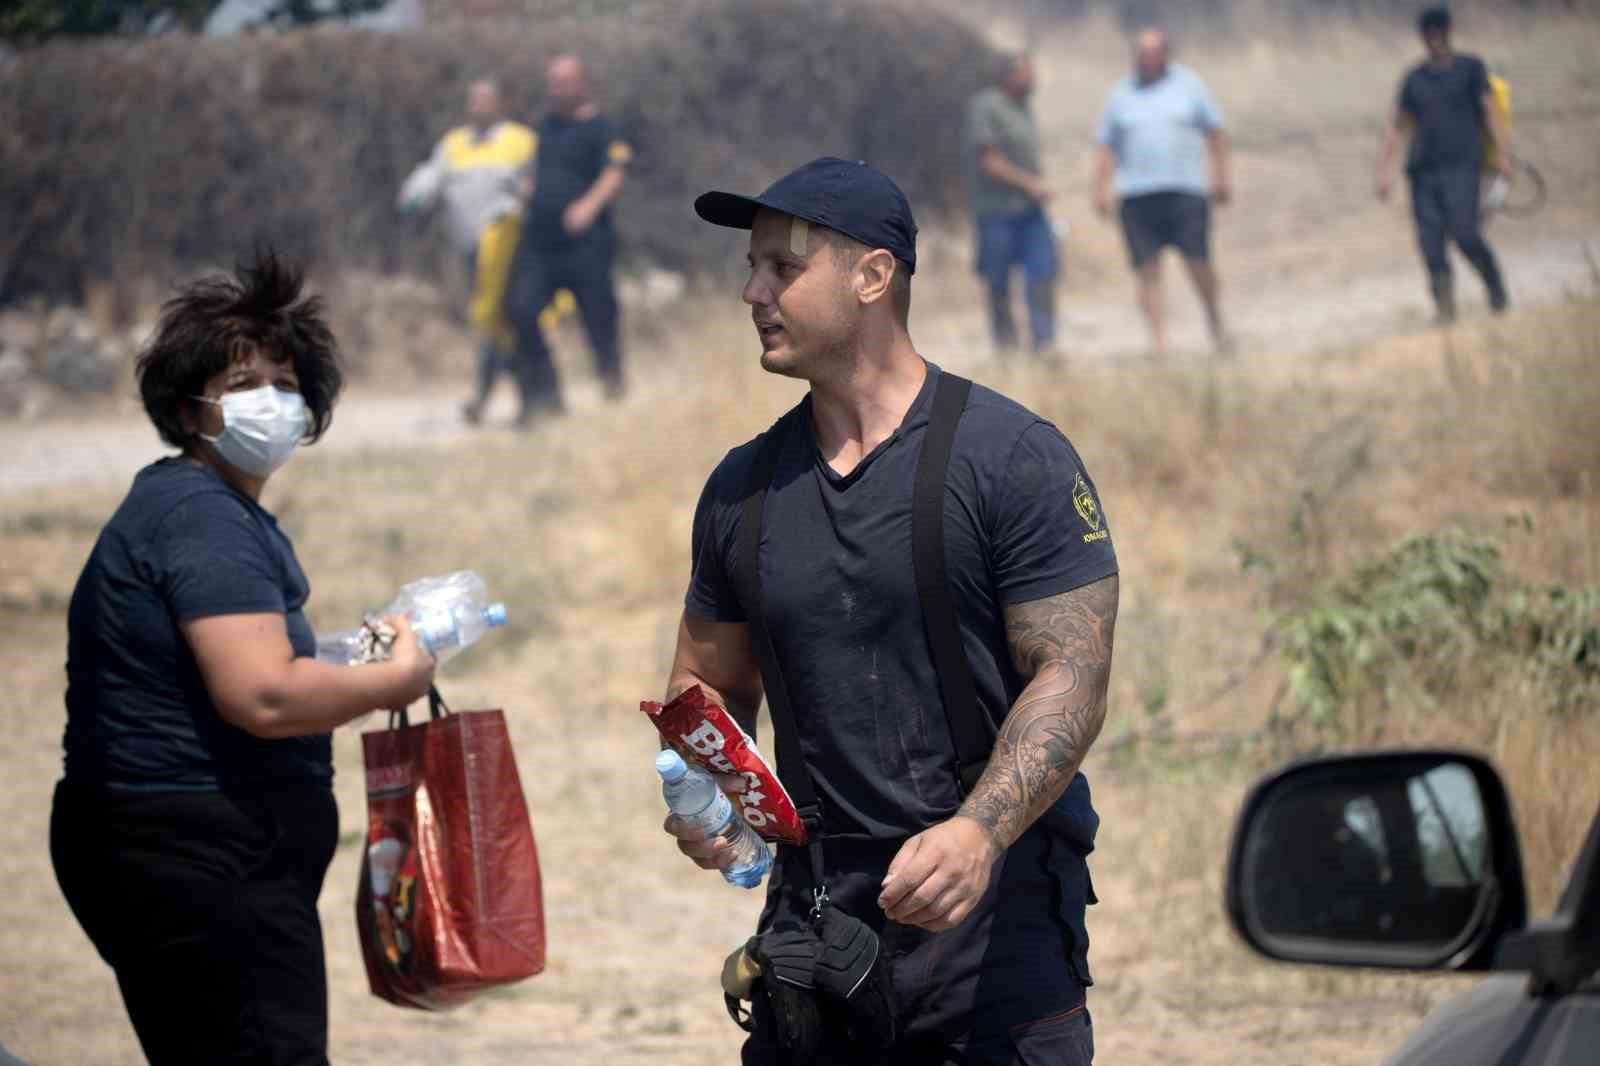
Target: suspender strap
<point x="786" y="732"/>
<point x="963" y="713"/>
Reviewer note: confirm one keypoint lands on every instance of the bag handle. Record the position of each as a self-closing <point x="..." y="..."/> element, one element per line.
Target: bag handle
<point x="437" y="709"/>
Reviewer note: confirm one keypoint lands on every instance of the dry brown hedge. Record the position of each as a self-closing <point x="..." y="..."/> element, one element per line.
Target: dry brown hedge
<point x="143" y="159"/>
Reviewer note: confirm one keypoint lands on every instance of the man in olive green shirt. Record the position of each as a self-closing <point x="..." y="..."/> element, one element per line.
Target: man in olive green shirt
<point x="1008" y="205"/>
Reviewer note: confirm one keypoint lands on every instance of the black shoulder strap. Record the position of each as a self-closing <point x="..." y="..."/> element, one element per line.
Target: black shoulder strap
<point x="786" y="733"/>
<point x="968" y="732"/>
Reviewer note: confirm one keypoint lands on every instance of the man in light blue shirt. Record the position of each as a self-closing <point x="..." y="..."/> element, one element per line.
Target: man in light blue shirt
<point x="1155" y="136"/>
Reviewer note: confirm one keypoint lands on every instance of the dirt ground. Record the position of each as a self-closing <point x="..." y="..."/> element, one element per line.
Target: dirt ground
<point x="582" y="526"/>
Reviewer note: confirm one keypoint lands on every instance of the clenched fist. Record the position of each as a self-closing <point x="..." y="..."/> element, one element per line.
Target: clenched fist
<point x="939" y="875"/>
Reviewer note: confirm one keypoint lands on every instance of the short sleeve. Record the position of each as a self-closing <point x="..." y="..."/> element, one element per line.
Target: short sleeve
<point x="1402" y="99"/>
<point x="1207" y="113"/>
<point x="983" y="124"/>
<point x="612" y="147"/>
<point x="1105" y="131"/>
<point x="213" y="558"/>
<point x="1479" y="79"/>
<point x="711" y="593"/>
<point x="1049" y="534"/>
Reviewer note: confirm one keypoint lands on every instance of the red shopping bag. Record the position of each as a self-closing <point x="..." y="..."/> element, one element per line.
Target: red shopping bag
<point x="449" y="904"/>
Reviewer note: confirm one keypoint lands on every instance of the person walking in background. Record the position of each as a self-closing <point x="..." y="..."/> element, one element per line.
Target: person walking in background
<point x="196" y="819"/>
<point x="1152" y="145"/>
<point x="482" y="171"/>
<point x="1447" y="104"/>
<point x="803" y="545"/>
<point x="1009" y="197"/>
<point x="569" y="239"/>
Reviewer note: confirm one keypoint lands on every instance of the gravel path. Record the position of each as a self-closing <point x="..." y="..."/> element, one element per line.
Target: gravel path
<point x="1281" y="316"/>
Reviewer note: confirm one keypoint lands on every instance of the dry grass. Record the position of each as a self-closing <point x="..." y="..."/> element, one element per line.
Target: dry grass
<point x="1315" y="448"/>
<point x="582" y="527"/>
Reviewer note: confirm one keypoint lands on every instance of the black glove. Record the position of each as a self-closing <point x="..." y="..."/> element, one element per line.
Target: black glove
<point x="852" y="972"/>
<point x="787" y="958"/>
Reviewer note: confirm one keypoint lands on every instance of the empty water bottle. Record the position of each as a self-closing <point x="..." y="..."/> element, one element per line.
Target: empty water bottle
<point x="693" y="795"/>
<point x="349" y="647"/>
<point x="448" y="613"/>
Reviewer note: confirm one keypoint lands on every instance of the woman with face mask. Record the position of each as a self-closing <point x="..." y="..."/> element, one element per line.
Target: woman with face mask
<point x="196" y="818"/>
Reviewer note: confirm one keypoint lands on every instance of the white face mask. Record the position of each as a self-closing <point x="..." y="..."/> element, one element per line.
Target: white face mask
<point x="260" y="428"/>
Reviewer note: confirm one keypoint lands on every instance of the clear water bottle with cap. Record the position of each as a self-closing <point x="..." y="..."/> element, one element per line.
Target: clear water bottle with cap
<point x="445" y="633"/>
<point x="693" y="795"/>
<point x="449" y="614"/>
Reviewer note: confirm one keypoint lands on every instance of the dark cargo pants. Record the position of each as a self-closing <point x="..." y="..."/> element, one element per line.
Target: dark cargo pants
<point x="1006" y="987"/>
<point x="1445" y="206"/>
<point x="582" y="266"/>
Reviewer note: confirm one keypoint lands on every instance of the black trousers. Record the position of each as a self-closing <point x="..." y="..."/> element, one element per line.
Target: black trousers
<point x="205" y="906"/>
<point x="1445" y="205"/>
<point x="1006" y="987"/>
<point x="583" y="266"/>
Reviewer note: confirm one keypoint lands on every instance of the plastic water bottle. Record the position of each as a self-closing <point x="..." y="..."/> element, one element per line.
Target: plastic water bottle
<point x="449" y="614"/>
<point x="447" y="631"/>
<point x="347" y="647"/>
<point x="693" y="795"/>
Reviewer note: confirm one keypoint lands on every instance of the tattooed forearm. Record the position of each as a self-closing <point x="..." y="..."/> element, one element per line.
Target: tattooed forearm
<point x="1063" y="644"/>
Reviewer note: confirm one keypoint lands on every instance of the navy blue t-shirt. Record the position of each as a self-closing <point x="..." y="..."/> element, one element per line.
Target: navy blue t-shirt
<point x="1022" y="522"/>
<point x="572" y="155"/>
<point x="183" y="545"/>
<point x="1446" y="104"/>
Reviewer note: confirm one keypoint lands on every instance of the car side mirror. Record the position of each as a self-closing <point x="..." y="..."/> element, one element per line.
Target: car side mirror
<point x="1406" y="860"/>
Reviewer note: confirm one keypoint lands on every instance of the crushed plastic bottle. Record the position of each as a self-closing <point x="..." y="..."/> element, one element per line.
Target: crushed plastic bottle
<point x="693" y="795"/>
<point x="449" y="614"/>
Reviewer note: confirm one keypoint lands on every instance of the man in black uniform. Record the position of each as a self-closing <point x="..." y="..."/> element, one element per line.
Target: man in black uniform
<point x="568" y="238"/>
<point x="1448" y="106"/>
<point x="978" y="891"/>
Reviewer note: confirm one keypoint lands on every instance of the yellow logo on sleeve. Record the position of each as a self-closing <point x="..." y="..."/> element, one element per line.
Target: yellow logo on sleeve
<point x="1088" y="509"/>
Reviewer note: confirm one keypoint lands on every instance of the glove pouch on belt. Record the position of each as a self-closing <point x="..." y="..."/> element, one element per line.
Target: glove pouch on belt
<point x="852" y="972"/>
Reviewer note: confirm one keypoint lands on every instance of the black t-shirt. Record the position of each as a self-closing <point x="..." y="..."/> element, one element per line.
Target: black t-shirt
<point x="182" y="546"/>
<point x="570" y="158"/>
<point x="1022" y="522"/>
<point x="1446" y="105"/>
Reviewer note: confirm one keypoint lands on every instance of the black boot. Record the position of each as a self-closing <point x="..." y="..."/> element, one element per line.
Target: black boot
<point x="1444" y="296"/>
<point x="490" y="362"/>
<point x="1002" y="327"/>
<point x="1498" y="301"/>
<point x="1041" y="297"/>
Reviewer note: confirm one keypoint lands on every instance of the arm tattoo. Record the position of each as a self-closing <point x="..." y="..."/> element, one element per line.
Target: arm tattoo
<point x="1063" y="645"/>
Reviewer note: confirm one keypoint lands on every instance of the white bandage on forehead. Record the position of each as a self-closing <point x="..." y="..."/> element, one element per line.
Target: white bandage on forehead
<point x="799" y="230"/>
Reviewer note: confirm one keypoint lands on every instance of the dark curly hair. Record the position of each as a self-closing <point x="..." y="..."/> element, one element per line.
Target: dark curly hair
<point x="219" y="320"/>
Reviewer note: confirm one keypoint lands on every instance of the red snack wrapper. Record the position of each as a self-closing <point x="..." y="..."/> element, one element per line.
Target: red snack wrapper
<point x="704" y="733"/>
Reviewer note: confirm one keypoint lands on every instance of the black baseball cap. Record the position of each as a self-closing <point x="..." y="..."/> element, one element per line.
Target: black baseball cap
<point x="1434" y="18"/>
<point x="841" y="194"/>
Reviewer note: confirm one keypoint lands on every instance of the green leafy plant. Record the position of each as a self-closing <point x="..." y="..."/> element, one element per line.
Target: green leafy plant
<point x="1429" y="621"/>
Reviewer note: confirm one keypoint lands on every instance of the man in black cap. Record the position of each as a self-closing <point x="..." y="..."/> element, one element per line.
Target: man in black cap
<point x="902" y="562"/>
<point x="1448" y="106"/>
